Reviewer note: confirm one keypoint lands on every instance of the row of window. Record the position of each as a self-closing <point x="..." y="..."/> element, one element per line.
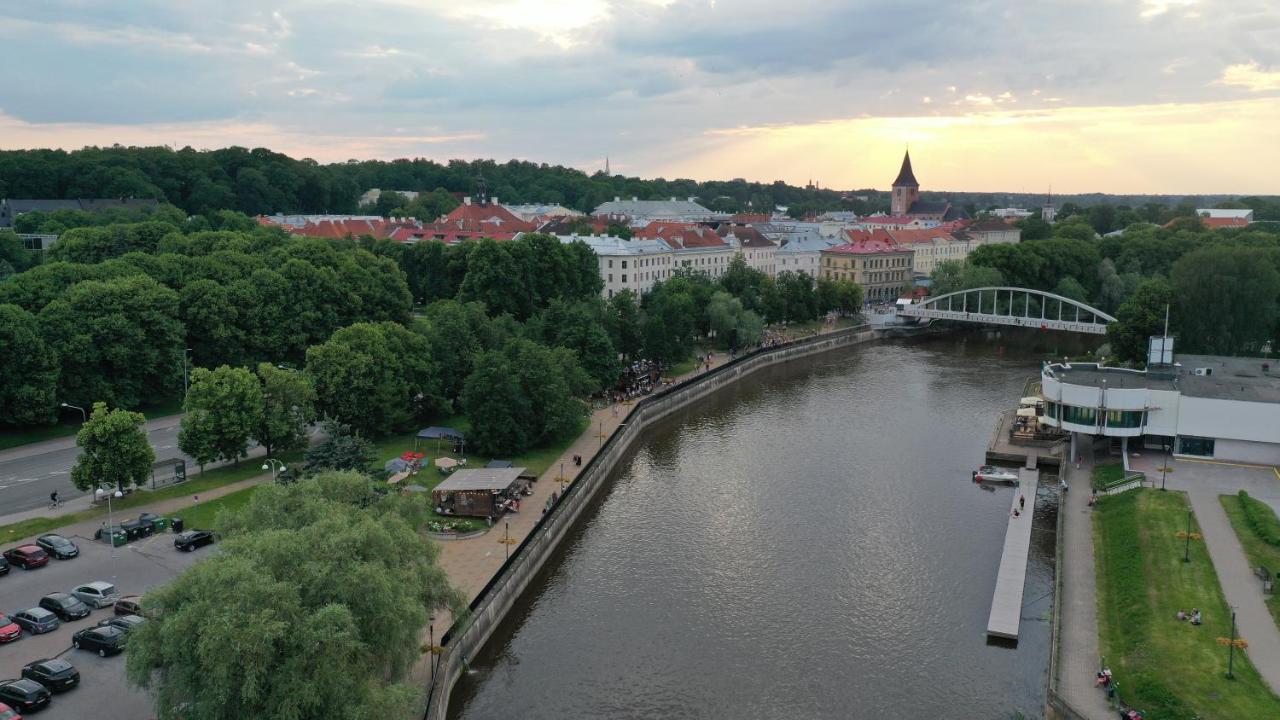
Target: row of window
<point x="645" y="262"/>
<point x="869" y="264"/>
<point x="1120" y="419"/>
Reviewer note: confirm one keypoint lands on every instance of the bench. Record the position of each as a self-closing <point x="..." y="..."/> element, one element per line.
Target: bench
<point x="1264" y="574"/>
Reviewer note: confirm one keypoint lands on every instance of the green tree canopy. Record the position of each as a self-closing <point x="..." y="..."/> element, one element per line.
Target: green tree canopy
<point x="29" y="380"/>
<point x="222" y="409"/>
<point x="288" y="407"/>
<point x="113" y="450"/>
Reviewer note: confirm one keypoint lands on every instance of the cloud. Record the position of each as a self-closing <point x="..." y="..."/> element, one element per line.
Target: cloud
<point x="1251" y="76"/>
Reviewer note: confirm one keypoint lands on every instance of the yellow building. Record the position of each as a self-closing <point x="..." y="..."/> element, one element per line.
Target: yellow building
<point x="873" y="260"/>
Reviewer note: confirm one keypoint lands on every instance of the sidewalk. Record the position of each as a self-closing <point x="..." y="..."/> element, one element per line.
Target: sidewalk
<point x="1078" y="655"/>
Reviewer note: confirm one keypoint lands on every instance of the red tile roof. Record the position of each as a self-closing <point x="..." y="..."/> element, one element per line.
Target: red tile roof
<point x="911" y="237"/>
<point x="680" y="234"/>
<point x="869" y="242"/>
<point x="749" y="236"/>
<point x="889" y="220"/>
<point x="344" y="228"/>
<point x="1213" y="223"/>
<point x="485" y="218"/>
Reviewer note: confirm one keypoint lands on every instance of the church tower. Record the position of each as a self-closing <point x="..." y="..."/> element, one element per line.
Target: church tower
<point x="905" y="189"/>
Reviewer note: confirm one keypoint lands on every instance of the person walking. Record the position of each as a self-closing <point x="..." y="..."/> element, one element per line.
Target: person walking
<point x="1022" y="501"/>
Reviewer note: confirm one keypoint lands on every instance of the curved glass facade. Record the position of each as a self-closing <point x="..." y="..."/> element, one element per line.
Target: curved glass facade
<point x="1125" y="418"/>
<point x="1079" y="415"/>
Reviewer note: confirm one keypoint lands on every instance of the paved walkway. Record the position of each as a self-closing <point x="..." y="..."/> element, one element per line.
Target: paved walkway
<point x="1078" y="655"/>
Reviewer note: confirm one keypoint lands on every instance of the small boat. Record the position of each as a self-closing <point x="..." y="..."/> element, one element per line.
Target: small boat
<point x="991" y="473"/>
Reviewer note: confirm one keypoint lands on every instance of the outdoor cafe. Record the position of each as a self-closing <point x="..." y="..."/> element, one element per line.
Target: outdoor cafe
<point x="484" y="492"/>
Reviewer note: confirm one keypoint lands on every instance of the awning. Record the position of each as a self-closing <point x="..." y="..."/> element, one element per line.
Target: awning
<point x="445" y="463"/>
<point x="497" y="464"/>
<point x="433" y="432"/>
<point x="1026" y="412"/>
<point x="395" y="465"/>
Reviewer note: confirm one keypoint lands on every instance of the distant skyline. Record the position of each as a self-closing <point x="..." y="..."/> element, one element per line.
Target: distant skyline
<point x="1115" y="96"/>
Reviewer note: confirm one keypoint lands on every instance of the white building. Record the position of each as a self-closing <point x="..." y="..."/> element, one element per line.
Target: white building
<point x="711" y="260"/>
<point x="628" y="264"/>
<point x="1202" y="407"/>
<point x="802" y="251"/>
<point x="757" y="250"/>
<point x="642" y="211"/>
<point x="371" y="196"/>
<point x="1015" y="213"/>
<point x="1244" y="214"/>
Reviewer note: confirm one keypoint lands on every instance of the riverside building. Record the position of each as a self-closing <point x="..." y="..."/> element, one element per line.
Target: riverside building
<point x="1201" y="406"/>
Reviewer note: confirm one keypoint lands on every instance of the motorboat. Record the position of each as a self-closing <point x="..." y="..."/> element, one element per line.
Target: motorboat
<point x="991" y="473"/>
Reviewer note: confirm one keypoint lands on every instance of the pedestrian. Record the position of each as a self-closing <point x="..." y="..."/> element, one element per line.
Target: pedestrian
<point x="1022" y="501"/>
<point x="195" y="500"/>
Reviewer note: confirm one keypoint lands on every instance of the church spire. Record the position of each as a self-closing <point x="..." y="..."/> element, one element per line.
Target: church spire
<point x="906" y="178"/>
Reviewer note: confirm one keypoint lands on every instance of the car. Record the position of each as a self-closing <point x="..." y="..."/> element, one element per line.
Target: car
<point x="36" y="620"/>
<point x="192" y="539"/>
<point x="97" y="594"/>
<point x="4" y="566"/>
<point x="56" y="674"/>
<point x="103" y="640"/>
<point x="57" y="546"/>
<point x="27" y="557"/>
<point x="25" y="695"/>
<point x="8" y="713"/>
<point x="124" y="622"/>
<point x="129" y="605"/>
<point x="65" y="606"/>
<point x="9" y="630"/>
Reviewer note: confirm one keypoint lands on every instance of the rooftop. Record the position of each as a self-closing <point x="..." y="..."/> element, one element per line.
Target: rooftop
<point x="672" y="208"/>
<point x="610" y="245"/>
<point x="491" y="479"/>
<point x="1224" y="378"/>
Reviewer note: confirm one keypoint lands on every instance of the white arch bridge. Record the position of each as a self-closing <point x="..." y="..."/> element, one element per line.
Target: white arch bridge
<point x="1020" y="307"/>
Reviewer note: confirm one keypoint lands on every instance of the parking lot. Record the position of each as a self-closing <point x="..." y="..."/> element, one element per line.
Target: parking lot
<point x="136" y="567"/>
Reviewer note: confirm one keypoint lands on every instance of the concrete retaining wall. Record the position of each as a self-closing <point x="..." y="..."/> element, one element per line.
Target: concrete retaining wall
<point x="468" y="636"/>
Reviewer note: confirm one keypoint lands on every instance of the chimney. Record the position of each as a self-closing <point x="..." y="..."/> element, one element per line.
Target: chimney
<point x="493" y="200"/>
<point x="466" y="200"/>
<point x="617" y="198"/>
<point x="635" y="199"/>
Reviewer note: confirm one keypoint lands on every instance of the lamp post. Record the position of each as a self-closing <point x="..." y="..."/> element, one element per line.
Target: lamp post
<point x="271" y="464"/>
<point x="1231" y="647"/>
<point x="111" y="526"/>
<point x="84" y="417"/>
<point x="1164" y="467"/>
<point x="185" y="367"/>
<point x="1186" y="551"/>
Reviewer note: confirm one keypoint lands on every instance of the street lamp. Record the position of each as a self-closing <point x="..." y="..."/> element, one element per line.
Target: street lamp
<point x="84" y="417"/>
<point x="111" y="526"/>
<point x="1186" y="551"/>
<point x="271" y="464"/>
<point x="1164" y="467"/>
<point x="185" y="370"/>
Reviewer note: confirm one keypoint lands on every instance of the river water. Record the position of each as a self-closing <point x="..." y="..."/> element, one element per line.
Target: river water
<point x="807" y="544"/>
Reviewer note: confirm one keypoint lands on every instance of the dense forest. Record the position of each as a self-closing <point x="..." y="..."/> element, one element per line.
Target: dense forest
<point x="260" y="181"/>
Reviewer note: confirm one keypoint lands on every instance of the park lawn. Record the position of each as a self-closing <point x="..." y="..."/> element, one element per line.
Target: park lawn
<point x="1257" y="550"/>
<point x="1106" y="474"/>
<point x="202" y="482"/>
<point x="1165" y="667"/>
<point x="202" y="515"/>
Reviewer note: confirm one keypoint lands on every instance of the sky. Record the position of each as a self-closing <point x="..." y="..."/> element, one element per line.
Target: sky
<point x="1120" y="96"/>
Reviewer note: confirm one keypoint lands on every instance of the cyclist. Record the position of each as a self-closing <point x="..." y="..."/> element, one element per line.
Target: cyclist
<point x="53" y="499"/>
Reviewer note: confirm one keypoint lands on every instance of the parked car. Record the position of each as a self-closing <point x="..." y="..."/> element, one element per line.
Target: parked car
<point x="97" y="594"/>
<point x="8" y="713"/>
<point x="129" y="605"/>
<point x="9" y="630"/>
<point x="65" y="606"/>
<point x="56" y="674"/>
<point x="124" y="622"/>
<point x="4" y="566"/>
<point x="27" y="557"/>
<point x="24" y="695"/>
<point x="192" y="539"/>
<point x="102" y="640"/>
<point x="57" y="546"/>
<point x="36" y="620"/>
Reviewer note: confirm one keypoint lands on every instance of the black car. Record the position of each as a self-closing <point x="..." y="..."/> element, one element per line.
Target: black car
<point x="124" y="622"/>
<point x="56" y="674"/>
<point x="24" y="695"/>
<point x="57" y="546"/>
<point x="102" y="640"/>
<point x="65" y="606"/>
<point x="36" y="620"/>
<point x="192" y="539"/>
<point x="4" y="566"/>
<point x="129" y="605"/>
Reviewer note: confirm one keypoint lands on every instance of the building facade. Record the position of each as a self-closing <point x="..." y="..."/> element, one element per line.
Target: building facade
<point x="873" y="260"/>
<point x="1203" y="406"/>
<point x="634" y="265"/>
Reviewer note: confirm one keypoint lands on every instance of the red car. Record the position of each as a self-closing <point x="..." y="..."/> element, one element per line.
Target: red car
<point x="27" y="557"/>
<point x="9" y="630"/>
<point x="8" y="713"/>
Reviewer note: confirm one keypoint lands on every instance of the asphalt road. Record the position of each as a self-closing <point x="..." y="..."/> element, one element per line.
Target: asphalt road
<point x="103" y="693"/>
<point x="29" y="473"/>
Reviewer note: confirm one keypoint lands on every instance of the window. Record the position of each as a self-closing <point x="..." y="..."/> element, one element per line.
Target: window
<point x="1201" y="446"/>
<point x="1079" y="415"/>
<point x="610" y="264"/>
<point x="624" y="267"/>
<point x="1124" y="418"/>
<point x="610" y="277"/>
<point x="624" y="277"/>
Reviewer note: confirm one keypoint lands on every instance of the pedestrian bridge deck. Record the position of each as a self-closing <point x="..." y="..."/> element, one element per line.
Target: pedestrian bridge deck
<point x="1006" y="603"/>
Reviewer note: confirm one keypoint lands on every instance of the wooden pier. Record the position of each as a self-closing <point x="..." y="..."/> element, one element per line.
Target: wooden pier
<point x="1006" y="603"/>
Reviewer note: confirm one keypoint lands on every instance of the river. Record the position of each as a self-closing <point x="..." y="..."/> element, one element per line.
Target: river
<point x="807" y="544"/>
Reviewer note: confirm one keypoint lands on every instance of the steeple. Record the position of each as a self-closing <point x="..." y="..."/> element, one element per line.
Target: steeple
<point x="606" y="166"/>
<point x="906" y="178"/>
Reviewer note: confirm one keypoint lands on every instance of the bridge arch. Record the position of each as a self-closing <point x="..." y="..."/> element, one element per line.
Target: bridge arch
<point x="1002" y="305"/>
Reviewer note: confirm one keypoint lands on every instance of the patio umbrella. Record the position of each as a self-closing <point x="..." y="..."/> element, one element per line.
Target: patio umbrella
<point x="445" y="463"/>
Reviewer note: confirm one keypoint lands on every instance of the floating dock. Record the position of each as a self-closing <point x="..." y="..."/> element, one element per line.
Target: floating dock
<point x="1006" y="603"/>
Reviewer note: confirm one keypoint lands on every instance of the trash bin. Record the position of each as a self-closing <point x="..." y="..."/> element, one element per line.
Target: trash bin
<point x="161" y="524"/>
<point x="176" y="525"/>
<point x="119" y="538"/>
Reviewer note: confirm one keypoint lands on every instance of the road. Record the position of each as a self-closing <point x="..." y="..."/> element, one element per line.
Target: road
<point x="28" y="473"/>
<point x="138" y="566"/>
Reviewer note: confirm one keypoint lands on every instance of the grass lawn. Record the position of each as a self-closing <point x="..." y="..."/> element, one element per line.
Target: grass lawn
<point x="1257" y="550"/>
<point x="202" y="515"/>
<point x="537" y="461"/>
<point x="199" y="483"/>
<point x="69" y="424"/>
<point x="1165" y="667"/>
<point x="1106" y="474"/>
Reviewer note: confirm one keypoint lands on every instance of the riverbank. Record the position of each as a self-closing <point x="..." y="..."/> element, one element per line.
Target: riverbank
<point x="482" y="561"/>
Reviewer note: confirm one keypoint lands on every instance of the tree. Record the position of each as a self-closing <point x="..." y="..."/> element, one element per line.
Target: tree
<point x="624" y="323"/>
<point x="331" y="594"/>
<point x="113" y="450"/>
<point x="497" y="280"/>
<point x="28" y="383"/>
<point x="668" y="325"/>
<point x="734" y="327"/>
<point x="223" y="408"/>
<point x="523" y="396"/>
<point x="376" y="377"/>
<point x="1139" y="318"/>
<point x="1071" y="288"/>
<point x="849" y="297"/>
<point x="496" y="406"/>
<point x="340" y="448"/>
<point x="580" y="327"/>
<point x="288" y="407"/>
<point x="1226" y="299"/>
<point x="799" y="297"/>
